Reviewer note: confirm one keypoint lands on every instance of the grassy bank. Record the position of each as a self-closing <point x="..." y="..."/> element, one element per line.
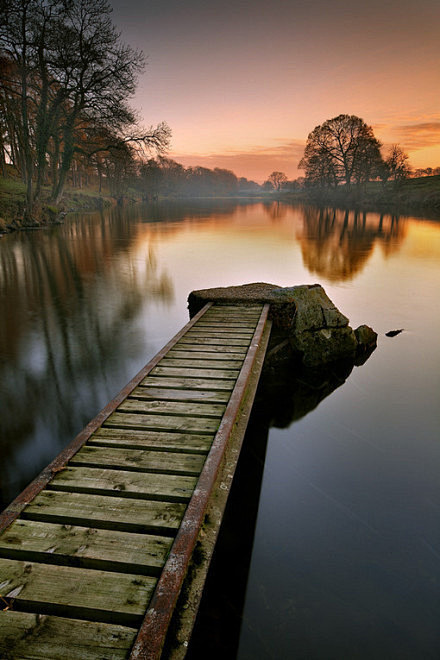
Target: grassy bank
<point x="12" y="204"/>
<point x="421" y="195"/>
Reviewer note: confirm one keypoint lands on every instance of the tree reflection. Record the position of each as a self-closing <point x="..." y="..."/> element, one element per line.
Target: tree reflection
<point x="336" y="244"/>
<point x="69" y="301"/>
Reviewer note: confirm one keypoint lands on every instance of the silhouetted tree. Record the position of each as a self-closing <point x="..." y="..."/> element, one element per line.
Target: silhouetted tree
<point x="277" y="179"/>
<point x="397" y="164"/>
<point x="341" y="150"/>
<point x="66" y="72"/>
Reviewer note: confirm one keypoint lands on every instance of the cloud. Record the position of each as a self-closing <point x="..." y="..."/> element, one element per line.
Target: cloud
<point x="419" y="136"/>
<point x="256" y="163"/>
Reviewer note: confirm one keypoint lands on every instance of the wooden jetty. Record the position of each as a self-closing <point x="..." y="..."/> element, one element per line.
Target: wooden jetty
<point x="111" y="543"/>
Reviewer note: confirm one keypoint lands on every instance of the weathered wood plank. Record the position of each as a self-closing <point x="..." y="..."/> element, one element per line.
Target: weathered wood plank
<point x="138" y="402"/>
<point x="218" y="356"/>
<point x="223" y="334"/>
<point x="97" y="595"/>
<point x="189" y="383"/>
<point x="139" y="460"/>
<point x="226" y="324"/>
<point x="42" y="637"/>
<point x="167" y="487"/>
<point x="161" y="422"/>
<point x="86" y="547"/>
<point x="170" y="394"/>
<point x="213" y="349"/>
<point x="213" y="341"/>
<point x="203" y="363"/>
<point x="104" y="512"/>
<point x="158" y="440"/>
<point x="230" y="374"/>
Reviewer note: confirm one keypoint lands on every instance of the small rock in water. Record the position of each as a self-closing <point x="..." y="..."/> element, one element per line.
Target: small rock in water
<point x="393" y="333"/>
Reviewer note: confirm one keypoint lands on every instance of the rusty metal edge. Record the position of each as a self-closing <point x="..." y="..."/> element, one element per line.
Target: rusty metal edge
<point x="14" y="509"/>
<point x="152" y="632"/>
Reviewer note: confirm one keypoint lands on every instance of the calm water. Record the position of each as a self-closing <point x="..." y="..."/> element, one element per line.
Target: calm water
<point x="346" y="554"/>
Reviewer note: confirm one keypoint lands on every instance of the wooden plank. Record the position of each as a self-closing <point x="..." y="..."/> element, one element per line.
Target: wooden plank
<point x="103" y="512"/>
<point x="213" y="349"/>
<point x="139" y="402"/>
<point x="161" y="422"/>
<point x="218" y="356"/>
<point x="139" y="460"/>
<point x="190" y="383"/>
<point x="230" y="374"/>
<point x="158" y="440"/>
<point x="171" y="401"/>
<point x="170" y="394"/>
<point x="40" y="637"/>
<point x="85" y="547"/>
<point x="204" y="363"/>
<point x="167" y="487"/>
<point x="213" y="341"/>
<point x="226" y="324"/>
<point x="97" y="595"/>
<point x="223" y="334"/>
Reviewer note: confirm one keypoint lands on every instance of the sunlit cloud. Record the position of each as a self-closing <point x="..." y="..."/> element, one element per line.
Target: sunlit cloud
<point x="420" y="135"/>
<point x="256" y="163"/>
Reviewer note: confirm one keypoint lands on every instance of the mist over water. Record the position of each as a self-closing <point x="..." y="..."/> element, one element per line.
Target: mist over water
<point x="345" y="560"/>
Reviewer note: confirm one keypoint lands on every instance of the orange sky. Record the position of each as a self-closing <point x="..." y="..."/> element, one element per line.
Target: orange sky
<point x="241" y="84"/>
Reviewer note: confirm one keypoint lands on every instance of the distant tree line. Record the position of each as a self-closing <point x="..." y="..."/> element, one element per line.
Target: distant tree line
<point x="65" y="81"/>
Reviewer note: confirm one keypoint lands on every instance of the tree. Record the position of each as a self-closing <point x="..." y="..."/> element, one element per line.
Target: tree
<point x="277" y="179"/>
<point x="341" y="150"/>
<point x="397" y="163"/>
<point x="67" y="76"/>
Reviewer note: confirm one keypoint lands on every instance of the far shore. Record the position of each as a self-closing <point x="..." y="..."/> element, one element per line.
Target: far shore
<point x="419" y="197"/>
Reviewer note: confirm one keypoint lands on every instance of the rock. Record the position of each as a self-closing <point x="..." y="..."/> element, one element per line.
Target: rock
<point x="316" y="330"/>
<point x="366" y="338"/>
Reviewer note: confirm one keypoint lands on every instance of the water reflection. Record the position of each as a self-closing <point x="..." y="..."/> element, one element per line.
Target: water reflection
<point x="68" y="312"/>
<point x="336" y="244"/>
<point x="83" y="306"/>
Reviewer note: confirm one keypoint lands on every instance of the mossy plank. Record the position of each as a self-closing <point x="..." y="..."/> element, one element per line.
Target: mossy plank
<point x="219" y="356"/>
<point x="221" y="350"/>
<point x="96" y="595"/>
<point x="104" y="512"/>
<point x="210" y="384"/>
<point x="200" y="363"/>
<point x="158" y="440"/>
<point x="103" y="549"/>
<point x="41" y="637"/>
<point x="170" y="394"/>
<point x="226" y="325"/>
<point x="170" y="487"/>
<point x="140" y="460"/>
<point x="162" y="422"/>
<point x="182" y="372"/>
<point x="136" y="403"/>
<point x="219" y="333"/>
<point x="212" y="341"/>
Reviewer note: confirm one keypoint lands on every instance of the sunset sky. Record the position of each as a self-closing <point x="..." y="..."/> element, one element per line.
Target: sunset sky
<point x="241" y="83"/>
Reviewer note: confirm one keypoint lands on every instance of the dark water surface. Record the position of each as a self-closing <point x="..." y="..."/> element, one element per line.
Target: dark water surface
<point x="345" y="561"/>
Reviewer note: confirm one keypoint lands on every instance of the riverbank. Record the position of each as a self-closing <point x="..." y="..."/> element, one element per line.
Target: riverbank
<point x="421" y="195"/>
<point x="12" y="204"/>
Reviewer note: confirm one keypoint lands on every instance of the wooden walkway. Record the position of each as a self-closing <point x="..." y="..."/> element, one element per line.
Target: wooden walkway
<point x="93" y="554"/>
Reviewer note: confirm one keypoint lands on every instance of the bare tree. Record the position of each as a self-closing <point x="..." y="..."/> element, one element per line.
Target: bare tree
<point x="341" y="150"/>
<point x="397" y="163"/>
<point x="67" y="71"/>
<point x="277" y="179"/>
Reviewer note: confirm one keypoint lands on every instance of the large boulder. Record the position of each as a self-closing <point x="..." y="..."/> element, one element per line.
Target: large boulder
<point x="316" y="330"/>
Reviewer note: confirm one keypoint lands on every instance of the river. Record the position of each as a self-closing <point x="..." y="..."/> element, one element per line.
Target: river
<point x="345" y="553"/>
